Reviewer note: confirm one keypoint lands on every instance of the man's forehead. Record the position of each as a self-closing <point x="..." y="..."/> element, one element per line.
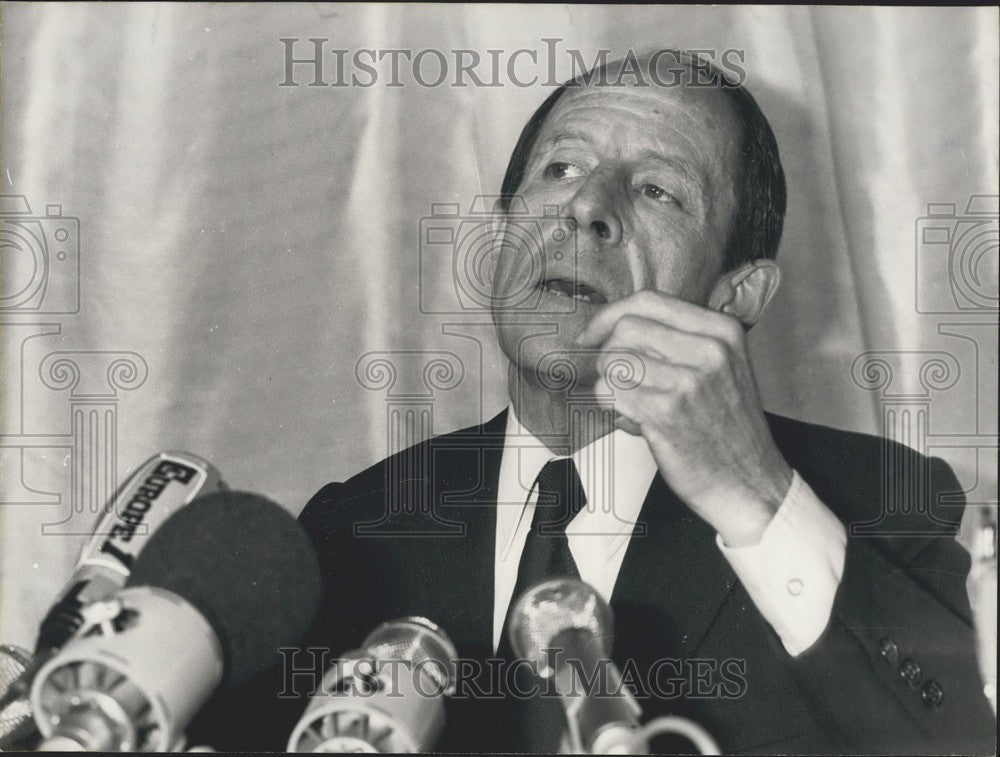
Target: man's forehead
<point x="667" y="101"/>
<point x="700" y="116"/>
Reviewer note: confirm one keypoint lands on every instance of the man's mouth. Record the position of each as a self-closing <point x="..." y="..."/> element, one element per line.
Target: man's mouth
<point x="574" y="290"/>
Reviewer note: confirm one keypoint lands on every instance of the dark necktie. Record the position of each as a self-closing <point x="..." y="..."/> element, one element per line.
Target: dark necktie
<point x="535" y="724"/>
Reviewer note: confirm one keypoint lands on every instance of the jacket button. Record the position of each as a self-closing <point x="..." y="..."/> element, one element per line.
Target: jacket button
<point x="889" y="651"/>
<point x="910" y="672"/>
<point x="932" y="694"/>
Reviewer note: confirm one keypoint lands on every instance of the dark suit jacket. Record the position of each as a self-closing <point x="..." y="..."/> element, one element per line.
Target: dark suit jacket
<point x="414" y="535"/>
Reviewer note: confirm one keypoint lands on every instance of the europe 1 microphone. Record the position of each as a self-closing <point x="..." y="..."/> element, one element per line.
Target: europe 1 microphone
<point x="218" y="589"/>
<point x="387" y="696"/>
<point x="157" y="489"/>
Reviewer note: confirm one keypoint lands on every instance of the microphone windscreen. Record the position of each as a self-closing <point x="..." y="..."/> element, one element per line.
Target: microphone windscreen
<point x="551" y="609"/>
<point x="246" y="565"/>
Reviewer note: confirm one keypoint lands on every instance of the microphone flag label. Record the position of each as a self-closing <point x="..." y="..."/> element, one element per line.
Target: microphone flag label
<point x="168" y="481"/>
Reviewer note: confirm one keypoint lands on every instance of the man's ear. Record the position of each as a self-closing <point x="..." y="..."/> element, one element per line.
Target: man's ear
<point x="746" y="291"/>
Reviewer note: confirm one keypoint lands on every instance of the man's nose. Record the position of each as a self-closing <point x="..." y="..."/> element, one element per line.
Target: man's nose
<point x="594" y="209"/>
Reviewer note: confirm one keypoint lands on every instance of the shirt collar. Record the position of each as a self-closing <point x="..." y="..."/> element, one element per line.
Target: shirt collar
<point x="615" y="470"/>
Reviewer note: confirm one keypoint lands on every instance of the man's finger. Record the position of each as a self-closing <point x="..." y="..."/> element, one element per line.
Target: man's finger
<point x="644" y="336"/>
<point x="645" y="404"/>
<point x="666" y="309"/>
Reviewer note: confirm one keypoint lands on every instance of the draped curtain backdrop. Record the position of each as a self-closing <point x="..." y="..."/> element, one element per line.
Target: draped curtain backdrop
<point x="243" y="246"/>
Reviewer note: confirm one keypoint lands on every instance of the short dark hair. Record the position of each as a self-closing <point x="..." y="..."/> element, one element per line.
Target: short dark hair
<point x="760" y="185"/>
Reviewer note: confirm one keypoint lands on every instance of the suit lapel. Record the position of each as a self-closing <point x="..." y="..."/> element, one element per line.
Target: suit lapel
<point x="672" y="582"/>
<point x="466" y="468"/>
<point x="670" y="588"/>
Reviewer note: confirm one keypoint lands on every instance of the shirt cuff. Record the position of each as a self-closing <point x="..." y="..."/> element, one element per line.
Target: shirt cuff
<point x="793" y="573"/>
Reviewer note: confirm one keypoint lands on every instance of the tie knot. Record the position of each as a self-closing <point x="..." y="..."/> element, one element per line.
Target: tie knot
<point x="560" y="496"/>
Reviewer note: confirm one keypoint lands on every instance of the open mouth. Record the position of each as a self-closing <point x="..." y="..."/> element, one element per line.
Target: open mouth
<point x="575" y="290"/>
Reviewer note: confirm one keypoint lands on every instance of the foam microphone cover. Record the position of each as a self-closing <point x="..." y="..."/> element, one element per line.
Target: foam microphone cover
<point x="246" y="565"/>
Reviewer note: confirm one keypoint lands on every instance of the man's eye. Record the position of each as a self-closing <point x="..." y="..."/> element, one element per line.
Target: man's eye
<point x="658" y="193"/>
<point x="562" y="170"/>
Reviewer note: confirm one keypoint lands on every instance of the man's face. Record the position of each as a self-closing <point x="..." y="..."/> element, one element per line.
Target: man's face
<point x="646" y="176"/>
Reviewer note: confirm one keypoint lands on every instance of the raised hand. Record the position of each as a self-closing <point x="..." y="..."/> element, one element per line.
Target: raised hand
<point x="698" y="407"/>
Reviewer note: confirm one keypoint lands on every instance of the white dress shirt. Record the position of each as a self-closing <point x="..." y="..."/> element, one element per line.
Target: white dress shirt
<point x="792" y="574"/>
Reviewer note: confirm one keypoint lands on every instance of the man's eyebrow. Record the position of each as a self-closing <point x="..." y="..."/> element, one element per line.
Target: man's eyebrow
<point x="679" y="164"/>
<point x="562" y="135"/>
<point x="673" y="161"/>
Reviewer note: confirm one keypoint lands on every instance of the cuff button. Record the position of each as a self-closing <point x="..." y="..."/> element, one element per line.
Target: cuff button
<point x="889" y="651"/>
<point x="910" y="672"/>
<point x="932" y="694"/>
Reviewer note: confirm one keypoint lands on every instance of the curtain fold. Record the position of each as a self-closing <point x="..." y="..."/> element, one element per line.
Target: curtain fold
<point x="245" y="245"/>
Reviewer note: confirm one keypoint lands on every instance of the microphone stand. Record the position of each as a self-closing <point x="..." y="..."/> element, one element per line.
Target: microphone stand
<point x="608" y="723"/>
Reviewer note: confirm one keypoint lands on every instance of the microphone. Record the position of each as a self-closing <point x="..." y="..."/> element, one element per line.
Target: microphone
<point x="567" y="616"/>
<point x="15" y="718"/>
<point x="160" y="486"/>
<point x="387" y="696"/>
<point x="564" y="628"/>
<point x="215" y="592"/>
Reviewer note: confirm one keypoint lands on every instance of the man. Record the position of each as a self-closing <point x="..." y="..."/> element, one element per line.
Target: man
<point x="715" y="531"/>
